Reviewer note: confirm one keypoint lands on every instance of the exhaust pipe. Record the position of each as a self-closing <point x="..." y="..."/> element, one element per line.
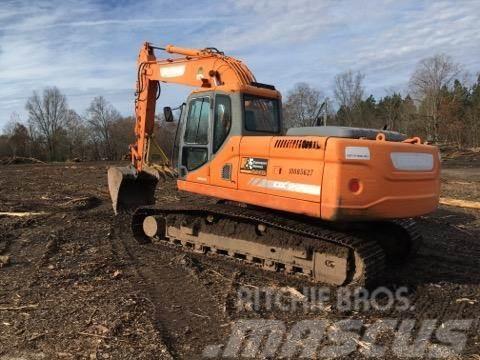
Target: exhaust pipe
<point x="130" y="189"/>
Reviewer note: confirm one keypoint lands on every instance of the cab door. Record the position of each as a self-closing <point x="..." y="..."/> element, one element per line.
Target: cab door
<point x="195" y="148"/>
<point x="226" y="143"/>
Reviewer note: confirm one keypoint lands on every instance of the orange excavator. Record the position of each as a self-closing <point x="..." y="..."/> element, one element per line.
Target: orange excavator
<point x="334" y="204"/>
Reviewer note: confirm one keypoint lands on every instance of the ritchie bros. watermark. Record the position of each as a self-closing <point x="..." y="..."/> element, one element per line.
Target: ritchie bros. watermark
<point x="318" y="337"/>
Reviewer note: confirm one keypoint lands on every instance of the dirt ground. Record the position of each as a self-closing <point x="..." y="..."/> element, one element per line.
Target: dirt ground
<point x="75" y="285"/>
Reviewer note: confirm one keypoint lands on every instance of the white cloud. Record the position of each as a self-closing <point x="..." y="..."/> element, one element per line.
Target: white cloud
<point x="314" y="40"/>
<point x="89" y="48"/>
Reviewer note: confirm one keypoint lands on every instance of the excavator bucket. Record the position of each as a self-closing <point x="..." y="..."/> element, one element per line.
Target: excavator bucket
<point x="130" y="189"/>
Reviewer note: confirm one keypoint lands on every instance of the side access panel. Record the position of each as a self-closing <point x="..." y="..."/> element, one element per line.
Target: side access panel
<point x="288" y="168"/>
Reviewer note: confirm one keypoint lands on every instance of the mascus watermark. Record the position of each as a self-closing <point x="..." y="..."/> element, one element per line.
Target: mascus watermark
<point x="325" y="339"/>
<point x="313" y="299"/>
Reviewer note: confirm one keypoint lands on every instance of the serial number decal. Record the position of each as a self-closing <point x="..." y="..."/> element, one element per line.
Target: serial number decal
<point x="357" y="153"/>
<point x="303" y="172"/>
<point x="255" y="166"/>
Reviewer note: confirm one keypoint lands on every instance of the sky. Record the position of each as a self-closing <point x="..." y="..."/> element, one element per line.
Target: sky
<point x="88" y="48"/>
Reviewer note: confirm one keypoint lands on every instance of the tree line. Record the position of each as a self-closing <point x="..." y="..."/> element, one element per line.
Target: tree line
<point x="440" y="107"/>
<point x="55" y="132"/>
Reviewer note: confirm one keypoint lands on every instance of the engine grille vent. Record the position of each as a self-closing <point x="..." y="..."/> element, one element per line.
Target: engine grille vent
<point x="227" y="172"/>
<point x="297" y="144"/>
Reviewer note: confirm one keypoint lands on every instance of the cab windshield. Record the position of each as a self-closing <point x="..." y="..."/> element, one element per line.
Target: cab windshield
<point x="261" y="114"/>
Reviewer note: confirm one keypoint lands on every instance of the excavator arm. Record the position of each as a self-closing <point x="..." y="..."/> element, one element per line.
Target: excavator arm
<point x="206" y="69"/>
<point x="202" y="69"/>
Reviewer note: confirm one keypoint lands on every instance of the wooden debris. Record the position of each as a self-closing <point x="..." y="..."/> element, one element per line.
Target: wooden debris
<point x="18" y="308"/>
<point x="76" y="200"/>
<point x="64" y="354"/>
<point x="461" y="229"/>
<point x="117" y="274"/>
<point x="219" y="274"/>
<point x="89" y="321"/>
<point x="460" y="203"/>
<point x="456" y="182"/>
<point x="363" y="344"/>
<point x="198" y="315"/>
<point x="466" y="300"/>
<point x="4" y="260"/>
<point x="23" y="160"/>
<point x="98" y="329"/>
<point x="288" y="290"/>
<point x="37" y="336"/>
<point x="94" y="335"/>
<point x="101" y="336"/>
<point x="22" y="214"/>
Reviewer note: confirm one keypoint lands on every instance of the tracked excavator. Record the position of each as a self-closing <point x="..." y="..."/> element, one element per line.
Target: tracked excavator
<point x="334" y="204"/>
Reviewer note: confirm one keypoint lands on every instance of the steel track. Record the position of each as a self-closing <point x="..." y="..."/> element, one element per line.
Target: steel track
<point x="315" y="233"/>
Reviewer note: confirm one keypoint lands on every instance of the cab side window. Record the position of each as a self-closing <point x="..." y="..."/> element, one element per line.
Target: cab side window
<point x="223" y="120"/>
<point x="196" y="131"/>
<point x="195" y="149"/>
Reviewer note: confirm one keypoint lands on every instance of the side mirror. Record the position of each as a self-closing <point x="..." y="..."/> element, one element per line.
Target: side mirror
<point x="167" y="113"/>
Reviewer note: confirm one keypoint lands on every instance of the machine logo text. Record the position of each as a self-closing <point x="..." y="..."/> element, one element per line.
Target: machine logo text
<point x="255" y="166"/>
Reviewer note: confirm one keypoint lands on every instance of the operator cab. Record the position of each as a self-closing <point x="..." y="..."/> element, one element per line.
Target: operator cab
<point x="210" y="118"/>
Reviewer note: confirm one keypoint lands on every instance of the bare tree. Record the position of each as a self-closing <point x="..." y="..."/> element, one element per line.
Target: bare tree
<point x="17" y="136"/>
<point x="101" y="116"/>
<point x="76" y="136"/>
<point x="408" y="118"/>
<point x="9" y="127"/>
<point x="165" y="136"/>
<point x="390" y="110"/>
<point x="123" y="136"/>
<point x="4" y="147"/>
<point x="349" y="92"/>
<point x="47" y="116"/>
<point x="302" y="105"/>
<point x="426" y="83"/>
<point x="19" y="140"/>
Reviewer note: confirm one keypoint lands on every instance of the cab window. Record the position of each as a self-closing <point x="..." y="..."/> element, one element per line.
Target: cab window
<point x="195" y="149"/>
<point x="196" y="131"/>
<point x="194" y="157"/>
<point x="223" y="120"/>
<point x="261" y="114"/>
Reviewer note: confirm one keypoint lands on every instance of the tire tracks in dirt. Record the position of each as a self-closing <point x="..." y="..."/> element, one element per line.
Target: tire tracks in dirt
<point x="186" y="314"/>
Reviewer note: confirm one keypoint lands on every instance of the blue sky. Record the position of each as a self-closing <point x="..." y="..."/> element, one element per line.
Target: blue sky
<point x="88" y="48"/>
